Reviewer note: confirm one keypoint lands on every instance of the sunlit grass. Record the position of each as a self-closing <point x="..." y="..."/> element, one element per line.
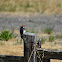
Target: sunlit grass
<point x="42" y="6"/>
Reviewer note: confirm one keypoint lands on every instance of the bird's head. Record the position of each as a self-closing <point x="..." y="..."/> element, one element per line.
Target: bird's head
<point x="21" y="26"/>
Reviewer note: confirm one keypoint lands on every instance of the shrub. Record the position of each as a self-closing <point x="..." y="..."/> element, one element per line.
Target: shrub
<point x="5" y="35"/>
<point x="43" y="40"/>
<point x="32" y="31"/>
<point x="51" y="38"/>
<point x="59" y="36"/>
<point x="48" y="30"/>
<point x="58" y="5"/>
<point x="27" y="5"/>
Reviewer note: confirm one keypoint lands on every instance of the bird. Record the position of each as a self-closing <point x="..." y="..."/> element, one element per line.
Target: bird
<point x="22" y="31"/>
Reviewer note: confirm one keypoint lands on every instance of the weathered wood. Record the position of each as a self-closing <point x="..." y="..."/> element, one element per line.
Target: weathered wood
<point x="50" y="53"/>
<point x="39" y="43"/>
<point x="45" y="60"/>
<point x="3" y="60"/>
<point x="7" y="58"/>
<point x="29" y="41"/>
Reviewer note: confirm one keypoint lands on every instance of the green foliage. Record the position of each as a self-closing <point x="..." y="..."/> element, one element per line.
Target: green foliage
<point x="58" y="5"/>
<point x="27" y="30"/>
<point x="43" y="40"/>
<point x="54" y="43"/>
<point x="12" y="9"/>
<point x="27" y="5"/>
<point x="51" y="38"/>
<point x="21" y="42"/>
<point x="32" y="31"/>
<point x="18" y="43"/>
<point x="7" y="7"/>
<point x="5" y="35"/>
<point x="48" y="30"/>
<point x="59" y="36"/>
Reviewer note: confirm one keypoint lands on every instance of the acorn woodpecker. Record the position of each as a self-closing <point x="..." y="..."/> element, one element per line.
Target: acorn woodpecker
<point x="22" y="30"/>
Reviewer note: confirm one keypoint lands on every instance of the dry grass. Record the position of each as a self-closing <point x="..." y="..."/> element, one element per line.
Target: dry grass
<point x="52" y="45"/>
<point x="56" y="60"/>
<point x="35" y="6"/>
<point x="11" y="48"/>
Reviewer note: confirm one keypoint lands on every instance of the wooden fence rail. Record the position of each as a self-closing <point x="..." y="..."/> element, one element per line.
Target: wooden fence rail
<point x="32" y="44"/>
<point x="47" y="54"/>
<point x="7" y="58"/>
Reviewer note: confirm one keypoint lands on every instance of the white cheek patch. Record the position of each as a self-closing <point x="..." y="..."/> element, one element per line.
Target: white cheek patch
<point x="24" y="31"/>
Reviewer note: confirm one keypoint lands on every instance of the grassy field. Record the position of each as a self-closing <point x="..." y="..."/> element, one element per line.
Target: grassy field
<point x="35" y="6"/>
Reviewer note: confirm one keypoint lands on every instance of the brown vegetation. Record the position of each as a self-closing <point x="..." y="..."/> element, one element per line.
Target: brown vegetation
<point x="11" y="48"/>
<point x="35" y="6"/>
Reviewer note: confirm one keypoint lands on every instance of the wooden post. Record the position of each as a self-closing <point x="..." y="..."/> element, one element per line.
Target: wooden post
<point x="29" y="40"/>
<point x="45" y="60"/>
<point x="39" y="43"/>
<point x="3" y="59"/>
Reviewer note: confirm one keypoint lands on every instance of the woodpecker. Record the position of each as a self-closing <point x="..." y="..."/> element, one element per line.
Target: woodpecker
<point x="22" y="30"/>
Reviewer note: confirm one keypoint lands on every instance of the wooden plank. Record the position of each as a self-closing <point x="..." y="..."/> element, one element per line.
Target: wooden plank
<point x="45" y="60"/>
<point x="7" y="58"/>
<point x="49" y="50"/>
<point x="51" y="53"/>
